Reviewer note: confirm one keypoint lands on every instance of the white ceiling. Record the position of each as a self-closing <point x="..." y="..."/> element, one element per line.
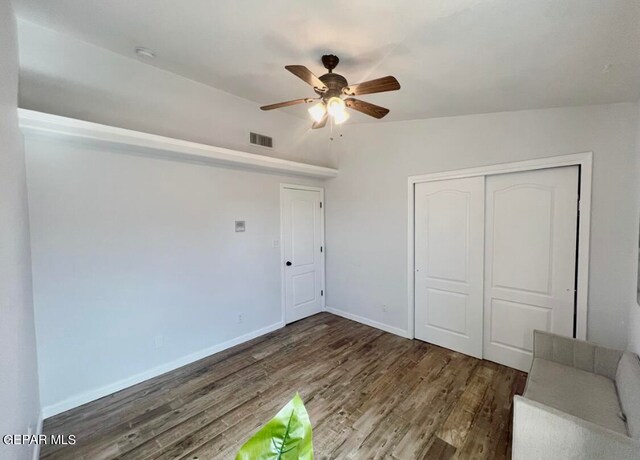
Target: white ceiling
<point x="452" y="57"/>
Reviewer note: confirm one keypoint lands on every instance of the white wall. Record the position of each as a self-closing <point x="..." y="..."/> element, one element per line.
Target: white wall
<point x="367" y="204"/>
<point x="65" y="76"/>
<point x="19" y="404"/>
<point x="634" y="308"/>
<point x="136" y="264"/>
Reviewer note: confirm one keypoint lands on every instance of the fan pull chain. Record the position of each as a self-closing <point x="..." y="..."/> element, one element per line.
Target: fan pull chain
<point x="331" y="128"/>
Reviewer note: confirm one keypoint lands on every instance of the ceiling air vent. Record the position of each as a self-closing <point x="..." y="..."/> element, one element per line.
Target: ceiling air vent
<point x="261" y="140"/>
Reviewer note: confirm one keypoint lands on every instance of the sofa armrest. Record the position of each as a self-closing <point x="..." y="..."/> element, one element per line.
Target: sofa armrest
<point x="540" y="432"/>
<point x="576" y="353"/>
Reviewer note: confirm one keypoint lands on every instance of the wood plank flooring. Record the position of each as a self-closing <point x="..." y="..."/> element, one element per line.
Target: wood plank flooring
<point x="369" y="394"/>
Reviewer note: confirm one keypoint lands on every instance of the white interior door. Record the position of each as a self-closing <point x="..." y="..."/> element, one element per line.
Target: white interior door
<point x="303" y="253"/>
<point x="530" y="256"/>
<point x="449" y="229"/>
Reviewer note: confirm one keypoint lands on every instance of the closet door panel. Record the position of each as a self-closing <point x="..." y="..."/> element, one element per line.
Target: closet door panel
<point x="530" y="260"/>
<point x="449" y="227"/>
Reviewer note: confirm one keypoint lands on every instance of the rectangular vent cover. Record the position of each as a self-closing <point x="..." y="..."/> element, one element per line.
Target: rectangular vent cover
<point x="261" y="140"/>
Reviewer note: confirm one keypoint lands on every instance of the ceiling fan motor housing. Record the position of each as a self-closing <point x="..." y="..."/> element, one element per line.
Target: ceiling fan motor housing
<point x="334" y="82"/>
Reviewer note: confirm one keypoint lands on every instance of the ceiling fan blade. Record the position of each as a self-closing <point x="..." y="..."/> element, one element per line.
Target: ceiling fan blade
<point x="305" y="100"/>
<point x="365" y="107"/>
<point x="306" y="75"/>
<point x="321" y="123"/>
<point x="379" y="85"/>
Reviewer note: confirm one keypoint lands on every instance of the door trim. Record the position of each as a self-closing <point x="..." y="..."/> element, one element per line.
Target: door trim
<point x="584" y="160"/>
<point x="283" y="298"/>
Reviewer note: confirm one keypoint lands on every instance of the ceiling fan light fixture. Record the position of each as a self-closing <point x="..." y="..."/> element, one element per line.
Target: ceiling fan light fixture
<point x="335" y="93"/>
<point x="335" y="106"/>
<point x="340" y="117"/>
<point x="317" y="111"/>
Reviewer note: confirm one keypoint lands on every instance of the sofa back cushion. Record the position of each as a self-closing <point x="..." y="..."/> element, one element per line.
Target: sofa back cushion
<point x="628" y="386"/>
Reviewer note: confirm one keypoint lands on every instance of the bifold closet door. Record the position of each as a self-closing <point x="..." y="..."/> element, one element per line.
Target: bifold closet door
<point x="449" y="228"/>
<point x="530" y="258"/>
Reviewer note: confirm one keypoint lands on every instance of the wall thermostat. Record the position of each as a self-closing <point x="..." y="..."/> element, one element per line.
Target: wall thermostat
<point x="240" y="226"/>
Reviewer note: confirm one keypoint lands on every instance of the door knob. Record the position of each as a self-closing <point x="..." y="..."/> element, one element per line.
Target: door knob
<point x="288" y="264"/>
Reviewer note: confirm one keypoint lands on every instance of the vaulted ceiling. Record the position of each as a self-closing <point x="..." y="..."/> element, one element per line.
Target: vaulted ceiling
<point x="452" y="57"/>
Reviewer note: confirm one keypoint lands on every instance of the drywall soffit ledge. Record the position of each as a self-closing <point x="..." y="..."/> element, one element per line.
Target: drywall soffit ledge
<point x="38" y="123"/>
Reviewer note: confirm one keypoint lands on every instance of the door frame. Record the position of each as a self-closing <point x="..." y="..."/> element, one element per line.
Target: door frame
<point x="283" y="296"/>
<point x="584" y="160"/>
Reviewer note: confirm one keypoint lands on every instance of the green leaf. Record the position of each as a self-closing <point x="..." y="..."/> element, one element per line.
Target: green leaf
<point x="287" y="436"/>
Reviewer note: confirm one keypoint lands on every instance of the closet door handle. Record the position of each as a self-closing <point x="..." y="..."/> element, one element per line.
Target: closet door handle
<point x="288" y="264"/>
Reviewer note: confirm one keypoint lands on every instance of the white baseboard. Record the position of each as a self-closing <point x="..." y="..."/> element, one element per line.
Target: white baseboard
<point x="36" y="447"/>
<point x="92" y="395"/>
<point x="368" y="322"/>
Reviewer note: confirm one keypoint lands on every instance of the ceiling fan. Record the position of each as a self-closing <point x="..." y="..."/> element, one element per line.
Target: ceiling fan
<point x="332" y="89"/>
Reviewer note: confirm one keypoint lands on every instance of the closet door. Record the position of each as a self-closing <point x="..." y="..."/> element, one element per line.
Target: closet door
<point x="530" y="256"/>
<point x="449" y="228"/>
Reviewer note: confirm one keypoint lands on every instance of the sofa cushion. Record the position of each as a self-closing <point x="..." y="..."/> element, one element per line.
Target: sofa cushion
<point x="580" y="393"/>
<point x="628" y="384"/>
<point x="576" y="353"/>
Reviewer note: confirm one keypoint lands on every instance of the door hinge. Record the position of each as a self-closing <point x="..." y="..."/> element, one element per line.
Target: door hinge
<point x="320" y="248"/>
<point x="321" y="204"/>
<point x="321" y="292"/>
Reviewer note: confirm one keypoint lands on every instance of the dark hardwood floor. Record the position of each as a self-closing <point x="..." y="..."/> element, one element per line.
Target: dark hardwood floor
<point x="369" y="394"/>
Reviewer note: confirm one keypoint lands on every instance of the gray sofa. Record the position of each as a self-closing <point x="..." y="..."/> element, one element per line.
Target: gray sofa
<point x="582" y="401"/>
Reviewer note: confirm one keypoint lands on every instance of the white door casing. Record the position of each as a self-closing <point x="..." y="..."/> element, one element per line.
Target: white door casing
<point x="530" y="260"/>
<point x="449" y="228"/>
<point x="302" y="251"/>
